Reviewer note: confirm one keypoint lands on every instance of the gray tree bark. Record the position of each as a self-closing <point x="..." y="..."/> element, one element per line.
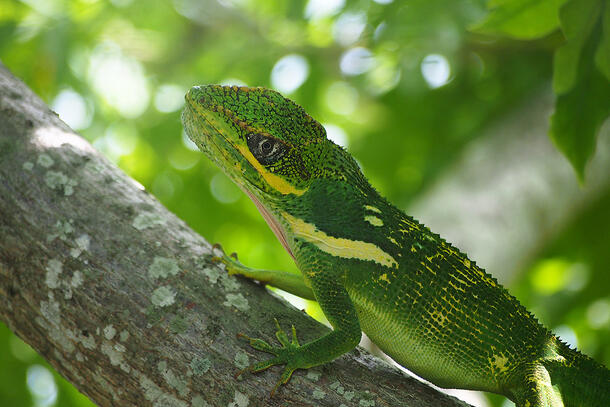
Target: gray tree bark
<point x="122" y="297"/>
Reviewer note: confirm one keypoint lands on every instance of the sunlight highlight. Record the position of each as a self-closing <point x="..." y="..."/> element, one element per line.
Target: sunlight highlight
<point x="357" y="61"/>
<point x="53" y="137"/>
<point x="169" y="98"/>
<point x="119" y="80"/>
<point x="336" y="134"/>
<point x="41" y="385"/>
<point x="317" y="9"/>
<point x="289" y="73"/>
<point x="72" y="109"/>
<point x="348" y="27"/>
<point x="341" y="98"/>
<point x="435" y="70"/>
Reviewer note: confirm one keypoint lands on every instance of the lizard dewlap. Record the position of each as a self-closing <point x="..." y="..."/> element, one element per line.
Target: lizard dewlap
<point x="373" y="268"/>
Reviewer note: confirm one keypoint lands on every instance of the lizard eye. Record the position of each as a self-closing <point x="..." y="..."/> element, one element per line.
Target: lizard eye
<point x="265" y="149"/>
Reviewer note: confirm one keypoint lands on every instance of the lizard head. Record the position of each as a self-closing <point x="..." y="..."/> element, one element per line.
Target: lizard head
<point x="264" y="142"/>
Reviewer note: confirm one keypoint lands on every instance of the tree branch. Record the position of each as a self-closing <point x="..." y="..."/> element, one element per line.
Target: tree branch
<point x="121" y="297"/>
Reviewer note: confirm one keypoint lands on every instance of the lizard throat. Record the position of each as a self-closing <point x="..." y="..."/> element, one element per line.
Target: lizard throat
<point x="271" y="221"/>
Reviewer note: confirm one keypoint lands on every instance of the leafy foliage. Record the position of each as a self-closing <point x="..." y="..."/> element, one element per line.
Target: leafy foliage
<point x="581" y="65"/>
<point x="521" y="19"/>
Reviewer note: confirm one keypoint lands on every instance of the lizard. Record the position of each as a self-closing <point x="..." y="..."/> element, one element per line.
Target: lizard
<point x="374" y="269"/>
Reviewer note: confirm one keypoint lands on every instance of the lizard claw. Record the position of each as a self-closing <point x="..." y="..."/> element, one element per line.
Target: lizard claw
<point x="283" y="355"/>
<point x="258" y="344"/>
<point x="228" y="260"/>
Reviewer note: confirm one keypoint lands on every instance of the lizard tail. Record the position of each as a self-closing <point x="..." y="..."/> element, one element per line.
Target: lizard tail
<point x="568" y="379"/>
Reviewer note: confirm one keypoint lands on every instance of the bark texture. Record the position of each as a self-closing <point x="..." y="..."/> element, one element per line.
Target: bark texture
<point x="122" y="297"/>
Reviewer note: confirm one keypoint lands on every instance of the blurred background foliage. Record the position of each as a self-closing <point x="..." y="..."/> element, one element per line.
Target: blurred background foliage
<point x="406" y="86"/>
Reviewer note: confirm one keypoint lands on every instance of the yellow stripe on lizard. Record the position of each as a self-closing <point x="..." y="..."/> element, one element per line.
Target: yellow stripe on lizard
<point x="340" y="247"/>
<point x="273" y="180"/>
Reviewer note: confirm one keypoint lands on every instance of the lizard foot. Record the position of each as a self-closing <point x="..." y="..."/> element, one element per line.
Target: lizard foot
<point x="231" y="262"/>
<point x="287" y="354"/>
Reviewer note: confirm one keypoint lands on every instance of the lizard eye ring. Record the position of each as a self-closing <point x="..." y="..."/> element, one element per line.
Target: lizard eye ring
<point x="265" y="149"/>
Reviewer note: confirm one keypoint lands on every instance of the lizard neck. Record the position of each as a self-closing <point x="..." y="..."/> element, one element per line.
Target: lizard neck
<point x="343" y="220"/>
<point x="275" y="225"/>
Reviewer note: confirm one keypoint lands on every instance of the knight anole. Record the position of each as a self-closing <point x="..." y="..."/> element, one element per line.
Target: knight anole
<point x="373" y="268"/>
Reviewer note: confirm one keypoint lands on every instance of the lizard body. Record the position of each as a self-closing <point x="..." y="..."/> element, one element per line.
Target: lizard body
<point x="373" y="268"/>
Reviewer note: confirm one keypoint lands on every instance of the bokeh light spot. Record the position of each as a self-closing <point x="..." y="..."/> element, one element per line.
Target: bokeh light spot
<point x="348" y="27"/>
<point x="289" y="73"/>
<point x="183" y="159"/>
<point x="119" y="80"/>
<point x="577" y="277"/>
<point x="233" y="82"/>
<point x="553" y="275"/>
<point x="384" y="76"/>
<point x="316" y="9"/>
<point x="341" y="98"/>
<point x="188" y="143"/>
<point x="336" y="134"/>
<point x="435" y="70"/>
<point x="548" y="276"/>
<point x="72" y="109"/>
<point x="379" y="31"/>
<point x="41" y="385"/>
<point x="166" y="185"/>
<point x="48" y="8"/>
<point x="356" y="61"/>
<point x="223" y="189"/>
<point x="567" y="334"/>
<point x="169" y="98"/>
<point x="598" y="314"/>
<point x="120" y="139"/>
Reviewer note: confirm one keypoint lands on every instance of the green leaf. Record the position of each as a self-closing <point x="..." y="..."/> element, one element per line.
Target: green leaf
<point x="602" y="56"/>
<point x="580" y="112"/>
<point x="521" y="19"/>
<point x="577" y="19"/>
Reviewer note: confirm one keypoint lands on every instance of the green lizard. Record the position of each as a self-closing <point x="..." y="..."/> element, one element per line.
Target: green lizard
<point x="373" y="268"/>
